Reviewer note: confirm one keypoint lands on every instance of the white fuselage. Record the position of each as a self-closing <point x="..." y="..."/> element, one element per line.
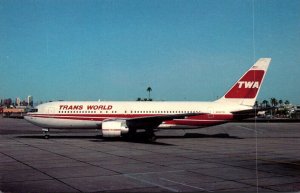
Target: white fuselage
<point x="64" y="114"/>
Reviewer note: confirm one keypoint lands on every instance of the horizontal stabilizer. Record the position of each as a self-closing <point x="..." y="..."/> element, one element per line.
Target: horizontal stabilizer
<point x="252" y="111"/>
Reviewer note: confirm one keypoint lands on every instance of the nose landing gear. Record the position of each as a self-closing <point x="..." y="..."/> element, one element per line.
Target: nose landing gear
<point x="46" y="133"/>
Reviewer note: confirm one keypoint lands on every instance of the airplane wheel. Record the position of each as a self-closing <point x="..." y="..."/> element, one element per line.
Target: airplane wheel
<point x="131" y="135"/>
<point x="46" y="133"/>
<point x="151" y="137"/>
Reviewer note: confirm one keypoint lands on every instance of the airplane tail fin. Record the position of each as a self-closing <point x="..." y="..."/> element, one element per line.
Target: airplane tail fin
<point x="246" y="89"/>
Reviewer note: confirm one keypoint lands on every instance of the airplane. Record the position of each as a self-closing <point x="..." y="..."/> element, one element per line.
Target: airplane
<point x="125" y="118"/>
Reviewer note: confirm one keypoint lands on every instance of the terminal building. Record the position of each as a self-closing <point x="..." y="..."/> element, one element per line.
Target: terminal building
<point x="17" y="108"/>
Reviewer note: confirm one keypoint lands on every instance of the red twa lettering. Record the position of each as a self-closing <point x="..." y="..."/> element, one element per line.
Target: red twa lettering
<point x="248" y="84"/>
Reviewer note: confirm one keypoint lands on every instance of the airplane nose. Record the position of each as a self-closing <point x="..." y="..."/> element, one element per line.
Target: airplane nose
<point x="28" y="118"/>
<point x="27" y="115"/>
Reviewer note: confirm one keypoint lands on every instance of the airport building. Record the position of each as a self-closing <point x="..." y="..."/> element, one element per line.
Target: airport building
<point x="18" y="101"/>
<point x="30" y="100"/>
<point x="17" y="108"/>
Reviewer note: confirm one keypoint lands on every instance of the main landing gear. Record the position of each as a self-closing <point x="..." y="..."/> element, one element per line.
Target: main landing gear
<point x="150" y="136"/>
<point x="46" y="133"/>
<point x="147" y="136"/>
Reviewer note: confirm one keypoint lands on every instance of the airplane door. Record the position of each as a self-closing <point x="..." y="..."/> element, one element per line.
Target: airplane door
<point x="51" y="110"/>
<point x="211" y="112"/>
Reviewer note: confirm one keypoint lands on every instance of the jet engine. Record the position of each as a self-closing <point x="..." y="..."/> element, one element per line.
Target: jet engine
<point x="114" y="128"/>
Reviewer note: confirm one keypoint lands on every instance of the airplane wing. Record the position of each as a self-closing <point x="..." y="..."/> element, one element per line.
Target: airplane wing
<point x="152" y="122"/>
<point x="165" y="117"/>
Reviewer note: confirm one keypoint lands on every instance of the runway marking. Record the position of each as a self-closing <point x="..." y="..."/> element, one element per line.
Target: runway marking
<point x="36" y="169"/>
<point x="152" y="183"/>
<point x="279" y="161"/>
<point x="185" y="184"/>
<point x="145" y="173"/>
<point x="249" y="129"/>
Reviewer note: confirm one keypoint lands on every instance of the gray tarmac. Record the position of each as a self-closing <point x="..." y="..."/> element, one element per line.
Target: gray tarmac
<point x="242" y="157"/>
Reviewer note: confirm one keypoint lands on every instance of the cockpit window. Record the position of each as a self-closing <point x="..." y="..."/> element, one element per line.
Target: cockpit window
<point x="33" y="110"/>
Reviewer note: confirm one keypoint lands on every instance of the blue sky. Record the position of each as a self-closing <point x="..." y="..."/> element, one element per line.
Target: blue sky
<point x="114" y="50"/>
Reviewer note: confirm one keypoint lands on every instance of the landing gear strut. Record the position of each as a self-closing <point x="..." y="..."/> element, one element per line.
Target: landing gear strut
<point x="130" y="135"/>
<point x="46" y="133"/>
<point x="147" y="136"/>
<point x="150" y="136"/>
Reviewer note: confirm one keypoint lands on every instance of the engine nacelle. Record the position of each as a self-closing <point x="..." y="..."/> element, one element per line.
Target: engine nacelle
<point x="114" y="128"/>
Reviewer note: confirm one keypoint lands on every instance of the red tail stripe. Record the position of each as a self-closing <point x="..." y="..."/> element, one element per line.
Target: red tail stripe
<point x="247" y="86"/>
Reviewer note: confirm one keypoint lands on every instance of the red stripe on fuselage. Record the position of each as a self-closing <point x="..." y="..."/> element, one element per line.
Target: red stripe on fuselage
<point x="199" y="120"/>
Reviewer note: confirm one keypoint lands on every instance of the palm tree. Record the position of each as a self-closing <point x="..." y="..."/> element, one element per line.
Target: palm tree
<point x="280" y="102"/>
<point x="287" y="102"/>
<point x="273" y="102"/>
<point x="256" y="104"/>
<point x="139" y="99"/>
<point x="149" y="89"/>
<point x="266" y="103"/>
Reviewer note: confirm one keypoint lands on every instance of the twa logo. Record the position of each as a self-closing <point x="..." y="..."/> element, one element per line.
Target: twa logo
<point x="248" y="84"/>
<point x="247" y="87"/>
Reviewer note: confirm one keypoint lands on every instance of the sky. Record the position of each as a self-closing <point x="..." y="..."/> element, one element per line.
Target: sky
<point x="115" y="49"/>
